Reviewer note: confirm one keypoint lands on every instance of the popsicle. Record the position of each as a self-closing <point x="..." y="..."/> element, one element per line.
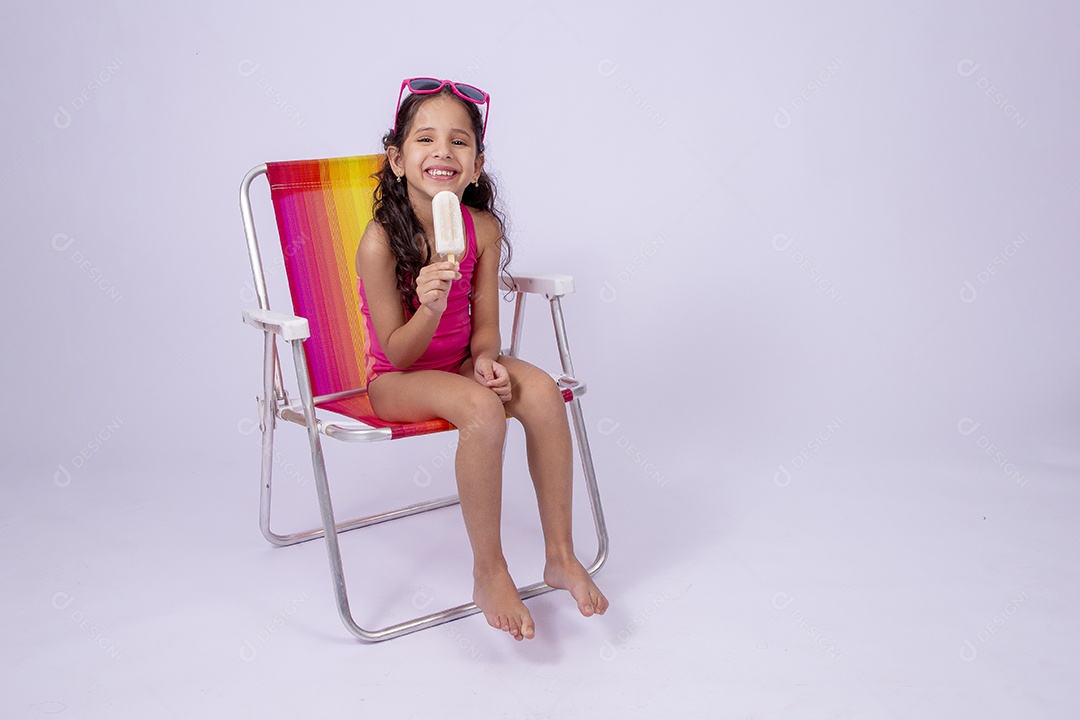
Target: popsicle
<point x="449" y="232"/>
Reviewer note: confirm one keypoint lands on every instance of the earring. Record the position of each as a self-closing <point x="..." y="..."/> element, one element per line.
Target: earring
<point x="476" y="182"/>
<point x="398" y="179"/>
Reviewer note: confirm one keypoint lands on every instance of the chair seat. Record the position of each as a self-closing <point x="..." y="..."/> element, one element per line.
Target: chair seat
<point x="370" y="428"/>
<point x="358" y="407"/>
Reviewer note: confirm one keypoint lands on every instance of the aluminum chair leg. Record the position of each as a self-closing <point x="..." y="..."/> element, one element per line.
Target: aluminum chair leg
<point x="267" y="422"/>
<point x="591" y="487"/>
<point x="322" y="488"/>
<point x="584" y="449"/>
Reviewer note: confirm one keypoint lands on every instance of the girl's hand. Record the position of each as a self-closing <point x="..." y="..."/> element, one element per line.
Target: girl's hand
<point x="433" y="284"/>
<point x="493" y="376"/>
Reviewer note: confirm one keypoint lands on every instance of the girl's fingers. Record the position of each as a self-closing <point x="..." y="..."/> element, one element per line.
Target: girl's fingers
<point x="448" y="269"/>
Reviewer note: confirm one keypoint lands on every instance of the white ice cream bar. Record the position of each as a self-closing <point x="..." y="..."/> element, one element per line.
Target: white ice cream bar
<point x="449" y="232"/>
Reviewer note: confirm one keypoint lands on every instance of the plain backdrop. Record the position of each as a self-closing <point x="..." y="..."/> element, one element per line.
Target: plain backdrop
<point x="805" y="236"/>
<point x="775" y="215"/>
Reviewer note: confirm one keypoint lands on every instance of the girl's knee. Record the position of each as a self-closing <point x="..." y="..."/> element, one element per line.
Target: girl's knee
<point x="540" y="397"/>
<point x="482" y="412"/>
<point x="541" y="385"/>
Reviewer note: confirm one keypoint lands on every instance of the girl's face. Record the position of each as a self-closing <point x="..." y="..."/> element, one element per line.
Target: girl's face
<point x="439" y="152"/>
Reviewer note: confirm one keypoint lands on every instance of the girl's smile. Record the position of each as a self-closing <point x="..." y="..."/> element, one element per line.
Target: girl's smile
<point x="441" y="172"/>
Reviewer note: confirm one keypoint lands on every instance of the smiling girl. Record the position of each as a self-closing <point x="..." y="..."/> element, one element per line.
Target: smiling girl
<point x="433" y="330"/>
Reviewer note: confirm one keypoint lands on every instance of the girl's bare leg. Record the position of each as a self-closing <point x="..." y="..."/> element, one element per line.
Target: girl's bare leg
<point x="481" y="421"/>
<point x="538" y="404"/>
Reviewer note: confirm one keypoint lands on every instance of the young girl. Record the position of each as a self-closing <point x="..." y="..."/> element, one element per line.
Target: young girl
<point x="433" y="328"/>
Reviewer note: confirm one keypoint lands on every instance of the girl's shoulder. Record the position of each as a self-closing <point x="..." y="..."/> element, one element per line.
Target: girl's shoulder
<point x="374" y="245"/>
<point x="489" y="230"/>
<point x="375" y="239"/>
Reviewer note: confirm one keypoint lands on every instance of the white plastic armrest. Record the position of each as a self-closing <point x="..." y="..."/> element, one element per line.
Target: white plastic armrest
<point x="548" y="285"/>
<point x="289" y="327"/>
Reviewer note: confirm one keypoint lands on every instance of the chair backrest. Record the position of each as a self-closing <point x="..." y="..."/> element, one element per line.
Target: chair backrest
<point x="322" y="208"/>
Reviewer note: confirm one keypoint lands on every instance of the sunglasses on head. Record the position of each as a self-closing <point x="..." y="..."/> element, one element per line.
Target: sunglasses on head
<point x="430" y="86"/>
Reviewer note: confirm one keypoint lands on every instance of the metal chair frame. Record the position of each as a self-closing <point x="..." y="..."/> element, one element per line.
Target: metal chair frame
<point x="275" y="404"/>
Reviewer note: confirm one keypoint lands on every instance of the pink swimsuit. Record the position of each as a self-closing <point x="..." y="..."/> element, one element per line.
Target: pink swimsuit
<point x="449" y="346"/>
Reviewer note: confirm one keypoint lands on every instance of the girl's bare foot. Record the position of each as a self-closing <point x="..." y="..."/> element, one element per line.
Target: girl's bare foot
<point x="497" y="596"/>
<point x="567" y="573"/>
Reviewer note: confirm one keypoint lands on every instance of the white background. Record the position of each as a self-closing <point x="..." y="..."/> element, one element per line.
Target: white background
<point x="825" y="306"/>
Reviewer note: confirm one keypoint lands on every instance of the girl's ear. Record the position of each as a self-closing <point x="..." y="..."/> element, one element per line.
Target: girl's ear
<point x="478" y="165"/>
<point x="393" y="156"/>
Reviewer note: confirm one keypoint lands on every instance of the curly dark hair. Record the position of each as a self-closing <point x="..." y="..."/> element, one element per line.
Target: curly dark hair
<point x="393" y="210"/>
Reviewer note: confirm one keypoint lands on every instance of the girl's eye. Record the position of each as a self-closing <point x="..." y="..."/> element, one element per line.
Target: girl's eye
<point x="462" y="143"/>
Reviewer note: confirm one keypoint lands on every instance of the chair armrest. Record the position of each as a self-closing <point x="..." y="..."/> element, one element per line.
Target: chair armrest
<point x="289" y="327"/>
<point x="548" y="285"/>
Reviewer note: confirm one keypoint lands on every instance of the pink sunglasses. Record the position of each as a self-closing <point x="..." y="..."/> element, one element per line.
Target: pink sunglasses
<point x="430" y="86"/>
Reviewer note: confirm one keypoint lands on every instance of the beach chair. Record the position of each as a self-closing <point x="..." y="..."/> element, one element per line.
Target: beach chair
<point x="322" y="207"/>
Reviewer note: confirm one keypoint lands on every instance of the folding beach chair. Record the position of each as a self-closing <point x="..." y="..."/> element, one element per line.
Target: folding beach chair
<point x="322" y="207"/>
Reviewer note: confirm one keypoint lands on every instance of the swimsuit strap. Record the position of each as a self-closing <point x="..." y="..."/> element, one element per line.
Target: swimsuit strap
<point x="470" y="230"/>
